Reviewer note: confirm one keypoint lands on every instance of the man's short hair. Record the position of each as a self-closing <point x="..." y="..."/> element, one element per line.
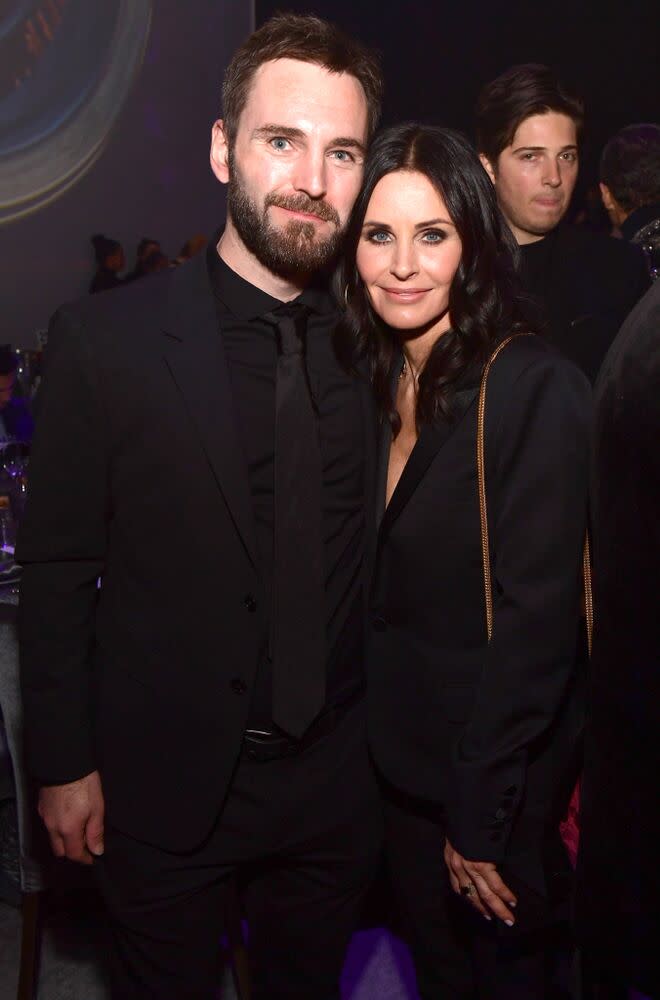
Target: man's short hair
<point x="522" y="91"/>
<point x="309" y="39"/>
<point x="630" y="166"/>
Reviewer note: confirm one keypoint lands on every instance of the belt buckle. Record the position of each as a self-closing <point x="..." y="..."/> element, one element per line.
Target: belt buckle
<point x="263" y="747"/>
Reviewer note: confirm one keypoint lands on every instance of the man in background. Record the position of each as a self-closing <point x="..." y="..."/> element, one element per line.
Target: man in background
<point x="630" y="188"/>
<point x="582" y="285"/>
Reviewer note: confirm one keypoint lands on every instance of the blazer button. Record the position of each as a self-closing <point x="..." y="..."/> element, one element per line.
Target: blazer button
<point x="249" y="603"/>
<point x="379" y="624"/>
<point x="500" y="814"/>
<point x="238" y="686"/>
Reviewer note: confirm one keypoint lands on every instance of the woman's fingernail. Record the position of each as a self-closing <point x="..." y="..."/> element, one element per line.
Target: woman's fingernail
<point x="486" y="917"/>
<point x="512" y="902"/>
<point x="509" y="923"/>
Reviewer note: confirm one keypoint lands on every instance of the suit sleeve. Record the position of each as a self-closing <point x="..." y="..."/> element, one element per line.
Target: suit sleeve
<point x="637" y="281"/>
<point x="61" y="547"/>
<point x="537" y="494"/>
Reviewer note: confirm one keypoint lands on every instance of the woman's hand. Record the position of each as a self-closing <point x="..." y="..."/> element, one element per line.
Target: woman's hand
<point x="479" y="883"/>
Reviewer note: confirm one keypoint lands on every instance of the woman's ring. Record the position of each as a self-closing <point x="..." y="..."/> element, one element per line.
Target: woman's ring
<point x="468" y="890"/>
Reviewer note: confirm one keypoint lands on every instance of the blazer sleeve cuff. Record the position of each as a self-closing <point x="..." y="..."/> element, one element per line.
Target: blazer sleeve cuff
<point x="482" y="806"/>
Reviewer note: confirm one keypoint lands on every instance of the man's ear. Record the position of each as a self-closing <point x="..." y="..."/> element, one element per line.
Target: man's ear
<point x="220" y="151"/>
<point x="606" y="195"/>
<point x="488" y="166"/>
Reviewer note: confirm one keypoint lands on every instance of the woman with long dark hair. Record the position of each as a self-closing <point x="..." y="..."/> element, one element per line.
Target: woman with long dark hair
<point x="472" y="733"/>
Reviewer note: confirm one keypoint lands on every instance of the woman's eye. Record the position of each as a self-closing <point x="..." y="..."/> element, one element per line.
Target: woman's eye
<point x="378" y="236"/>
<point x="433" y="236"/>
<point x="279" y="143"/>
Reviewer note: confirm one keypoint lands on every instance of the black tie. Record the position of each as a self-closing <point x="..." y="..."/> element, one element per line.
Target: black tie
<point x="297" y="632"/>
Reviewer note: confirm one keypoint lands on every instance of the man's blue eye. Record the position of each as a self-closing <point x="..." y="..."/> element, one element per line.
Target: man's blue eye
<point x="279" y="143"/>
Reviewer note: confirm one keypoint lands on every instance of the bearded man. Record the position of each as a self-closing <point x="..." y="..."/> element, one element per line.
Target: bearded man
<point x="200" y="712"/>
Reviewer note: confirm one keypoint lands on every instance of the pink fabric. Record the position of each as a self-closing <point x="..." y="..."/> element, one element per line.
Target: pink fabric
<point x="569" y="828"/>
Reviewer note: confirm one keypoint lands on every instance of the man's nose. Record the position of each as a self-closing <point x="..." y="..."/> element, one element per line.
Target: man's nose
<point x="552" y="174"/>
<point x="310" y="175"/>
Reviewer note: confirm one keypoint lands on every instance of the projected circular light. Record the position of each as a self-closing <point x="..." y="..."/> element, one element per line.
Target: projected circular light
<point x="66" y="68"/>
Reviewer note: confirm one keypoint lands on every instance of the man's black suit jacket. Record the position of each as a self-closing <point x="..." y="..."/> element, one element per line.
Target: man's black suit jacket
<point x="137" y="477"/>
<point x="486" y="729"/>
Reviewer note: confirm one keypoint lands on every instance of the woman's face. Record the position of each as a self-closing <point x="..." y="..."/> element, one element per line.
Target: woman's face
<point x="408" y="253"/>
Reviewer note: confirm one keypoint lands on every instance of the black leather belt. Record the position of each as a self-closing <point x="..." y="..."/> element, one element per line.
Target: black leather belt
<point x="269" y="746"/>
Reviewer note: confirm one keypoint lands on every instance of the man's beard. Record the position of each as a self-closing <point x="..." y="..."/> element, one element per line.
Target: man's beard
<point x="289" y="251"/>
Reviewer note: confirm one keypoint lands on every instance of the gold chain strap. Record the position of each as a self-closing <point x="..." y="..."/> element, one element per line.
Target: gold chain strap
<point x="483" y="511"/>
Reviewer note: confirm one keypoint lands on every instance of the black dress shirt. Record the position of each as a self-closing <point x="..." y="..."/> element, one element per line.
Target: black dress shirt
<point x="582" y="285"/>
<point x="250" y="345"/>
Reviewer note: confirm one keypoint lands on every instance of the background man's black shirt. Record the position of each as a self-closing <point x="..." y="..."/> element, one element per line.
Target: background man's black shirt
<point x="582" y="285"/>
<point x="250" y="345"/>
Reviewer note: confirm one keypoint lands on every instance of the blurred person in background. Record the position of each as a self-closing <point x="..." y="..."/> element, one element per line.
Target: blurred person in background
<point x="191" y="247"/>
<point x="630" y="188"/>
<point x="145" y="248"/>
<point x="15" y="417"/>
<point x="618" y="891"/>
<point x="583" y="285"/>
<point x="110" y="261"/>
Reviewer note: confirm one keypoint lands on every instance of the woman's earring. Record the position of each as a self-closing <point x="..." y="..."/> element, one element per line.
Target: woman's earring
<point x="346" y="296"/>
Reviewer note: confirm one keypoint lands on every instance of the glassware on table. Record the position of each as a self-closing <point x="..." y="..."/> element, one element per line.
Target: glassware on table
<point x="7" y="527"/>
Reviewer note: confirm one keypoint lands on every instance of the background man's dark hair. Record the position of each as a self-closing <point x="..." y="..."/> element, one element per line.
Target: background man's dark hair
<point x="630" y="166"/>
<point x="309" y="39"/>
<point x="520" y="92"/>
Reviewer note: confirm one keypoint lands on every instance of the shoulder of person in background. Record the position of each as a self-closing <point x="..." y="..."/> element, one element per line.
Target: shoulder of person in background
<point x="622" y="265"/>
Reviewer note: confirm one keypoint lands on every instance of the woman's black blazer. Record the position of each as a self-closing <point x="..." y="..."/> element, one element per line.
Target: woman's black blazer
<point x="486" y="729"/>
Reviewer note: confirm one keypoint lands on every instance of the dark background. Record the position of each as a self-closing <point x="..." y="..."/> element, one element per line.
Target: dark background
<point x="152" y="177"/>
<point x="437" y="56"/>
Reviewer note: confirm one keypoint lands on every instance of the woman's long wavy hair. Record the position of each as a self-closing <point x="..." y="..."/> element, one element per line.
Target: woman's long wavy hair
<point x="484" y="302"/>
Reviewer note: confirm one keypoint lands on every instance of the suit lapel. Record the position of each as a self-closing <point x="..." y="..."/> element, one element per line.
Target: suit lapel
<point x="195" y="355"/>
<point x="431" y="439"/>
<point x="370" y="424"/>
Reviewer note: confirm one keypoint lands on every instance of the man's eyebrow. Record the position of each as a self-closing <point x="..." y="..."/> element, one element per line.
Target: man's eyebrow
<point x="268" y="131"/>
<point x="541" y="149"/>
<point x="349" y="142"/>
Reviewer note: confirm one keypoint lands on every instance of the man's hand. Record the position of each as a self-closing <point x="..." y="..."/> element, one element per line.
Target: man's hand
<point x="487" y="892"/>
<point x="73" y="816"/>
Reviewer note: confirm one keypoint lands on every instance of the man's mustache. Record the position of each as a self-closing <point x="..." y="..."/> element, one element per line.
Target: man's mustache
<point x="302" y="203"/>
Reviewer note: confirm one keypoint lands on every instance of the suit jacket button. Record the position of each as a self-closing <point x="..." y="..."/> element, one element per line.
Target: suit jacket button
<point x="379" y="624"/>
<point x="249" y="603"/>
<point x="500" y="814"/>
<point x="238" y="686"/>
